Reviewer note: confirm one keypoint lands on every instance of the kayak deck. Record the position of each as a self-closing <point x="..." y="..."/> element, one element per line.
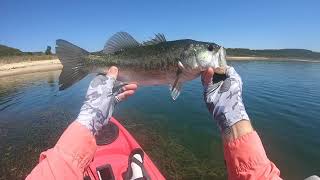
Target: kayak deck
<point x="113" y="156"/>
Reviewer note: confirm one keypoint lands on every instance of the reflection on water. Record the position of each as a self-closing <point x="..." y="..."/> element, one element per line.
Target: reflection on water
<point x="12" y="89"/>
<point x="282" y="100"/>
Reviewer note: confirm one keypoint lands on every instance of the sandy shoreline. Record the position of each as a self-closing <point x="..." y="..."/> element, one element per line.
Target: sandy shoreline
<point x="55" y="64"/>
<point x="246" y="58"/>
<point x="29" y="67"/>
<point x="251" y="58"/>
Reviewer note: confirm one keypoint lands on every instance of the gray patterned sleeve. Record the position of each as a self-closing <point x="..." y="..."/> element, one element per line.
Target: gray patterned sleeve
<point x="224" y="100"/>
<point x="100" y="101"/>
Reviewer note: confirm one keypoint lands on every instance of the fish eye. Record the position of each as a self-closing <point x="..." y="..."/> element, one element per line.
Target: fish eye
<point x="210" y="47"/>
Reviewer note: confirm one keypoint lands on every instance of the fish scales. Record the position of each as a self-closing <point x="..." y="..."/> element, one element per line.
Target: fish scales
<point x="163" y="56"/>
<point x="154" y="62"/>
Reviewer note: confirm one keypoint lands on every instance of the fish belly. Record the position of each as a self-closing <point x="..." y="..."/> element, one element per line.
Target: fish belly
<point x="146" y="78"/>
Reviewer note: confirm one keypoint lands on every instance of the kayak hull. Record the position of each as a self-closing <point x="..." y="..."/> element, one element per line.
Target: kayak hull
<point x="116" y="154"/>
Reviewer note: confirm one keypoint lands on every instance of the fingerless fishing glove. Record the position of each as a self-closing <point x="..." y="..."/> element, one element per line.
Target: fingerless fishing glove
<point x="224" y="99"/>
<point x="100" y="101"/>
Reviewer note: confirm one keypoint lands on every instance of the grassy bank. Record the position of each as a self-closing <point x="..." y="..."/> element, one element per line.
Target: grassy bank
<point x="25" y="58"/>
<point x="274" y="53"/>
<point x="10" y="55"/>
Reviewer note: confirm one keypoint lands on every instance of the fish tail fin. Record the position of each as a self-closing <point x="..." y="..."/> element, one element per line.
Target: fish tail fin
<point x="72" y="58"/>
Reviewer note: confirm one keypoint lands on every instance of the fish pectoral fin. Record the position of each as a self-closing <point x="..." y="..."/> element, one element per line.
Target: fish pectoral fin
<point x="158" y="38"/>
<point x="175" y="90"/>
<point x="176" y="87"/>
<point x="120" y="41"/>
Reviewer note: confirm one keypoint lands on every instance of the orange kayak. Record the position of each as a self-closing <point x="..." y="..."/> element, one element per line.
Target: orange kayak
<point x="112" y="158"/>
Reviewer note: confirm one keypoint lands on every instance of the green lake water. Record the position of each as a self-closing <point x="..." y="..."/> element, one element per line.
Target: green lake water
<point x="282" y="100"/>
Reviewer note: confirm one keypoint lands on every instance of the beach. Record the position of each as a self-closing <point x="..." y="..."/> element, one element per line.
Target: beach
<point x="29" y="67"/>
<point x="246" y="58"/>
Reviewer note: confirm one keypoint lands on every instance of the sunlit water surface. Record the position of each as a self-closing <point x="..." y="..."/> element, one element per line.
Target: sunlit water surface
<point x="282" y="99"/>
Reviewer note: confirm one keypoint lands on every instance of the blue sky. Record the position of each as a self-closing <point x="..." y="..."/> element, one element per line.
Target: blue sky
<point x="32" y="25"/>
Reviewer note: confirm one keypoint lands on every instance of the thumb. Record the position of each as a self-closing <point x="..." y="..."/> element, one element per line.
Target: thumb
<point x="113" y="72"/>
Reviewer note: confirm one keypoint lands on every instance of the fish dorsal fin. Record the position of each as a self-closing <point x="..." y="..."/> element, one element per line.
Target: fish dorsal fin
<point x="120" y="41"/>
<point x="158" y="38"/>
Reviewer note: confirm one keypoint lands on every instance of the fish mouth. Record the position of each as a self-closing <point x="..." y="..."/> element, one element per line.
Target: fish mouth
<point x="200" y="60"/>
<point x="223" y="57"/>
<point x="220" y="66"/>
<point x="219" y="58"/>
<point x="217" y="61"/>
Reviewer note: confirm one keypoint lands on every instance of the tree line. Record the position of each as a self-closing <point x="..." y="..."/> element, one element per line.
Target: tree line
<point x="276" y="53"/>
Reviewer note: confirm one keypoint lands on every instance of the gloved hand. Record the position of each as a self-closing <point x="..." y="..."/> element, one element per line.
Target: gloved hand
<point x="224" y="98"/>
<point x="103" y="94"/>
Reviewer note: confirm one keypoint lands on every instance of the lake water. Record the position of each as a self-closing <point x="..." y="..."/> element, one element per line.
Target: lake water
<point x="282" y="99"/>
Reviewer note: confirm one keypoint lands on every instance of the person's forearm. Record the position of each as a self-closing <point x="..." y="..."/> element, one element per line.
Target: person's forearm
<point x="243" y="151"/>
<point x="70" y="156"/>
<point x="244" y="154"/>
<point x="237" y="130"/>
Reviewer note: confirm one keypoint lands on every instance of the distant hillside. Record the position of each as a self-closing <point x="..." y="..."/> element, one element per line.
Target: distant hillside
<point x="12" y="55"/>
<point x="275" y="53"/>
<point x="9" y="51"/>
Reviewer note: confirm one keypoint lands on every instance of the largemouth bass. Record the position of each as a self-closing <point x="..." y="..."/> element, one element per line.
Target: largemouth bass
<point x="153" y="62"/>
